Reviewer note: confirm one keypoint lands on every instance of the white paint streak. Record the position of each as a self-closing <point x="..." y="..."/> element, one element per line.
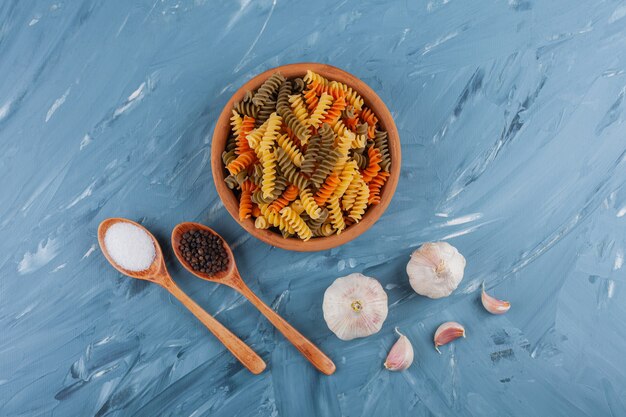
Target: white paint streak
<point x="27" y="310"/>
<point x="618" y="14"/>
<point x="463" y="219"/>
<point x="429" y="46"/>
<point x="89" y="251"/>
<point x="122" y="26"/>
<point x="58" y="268"/>
<point x="244" y="59"/>
<point x="4" y="110"/>
<point x="243" y="5"/>
<point x="610" y="289"/>
<point x="45" y="253"/>
<point x="136" y="95"/>
<point x="86" y="193"/>
<point x="57" y="103"/>
<point x="619" y="260"/>
<point x="86" y="141"/>
<point x="341" y="265"/>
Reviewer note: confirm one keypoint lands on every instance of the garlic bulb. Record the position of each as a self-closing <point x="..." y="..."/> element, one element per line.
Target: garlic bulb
<point x="400" y="356"/>
<point x="355" y="306"/>
<point x="447" y="332"/>
<point x="492" y="304"/>
<point x="435" y="269"/>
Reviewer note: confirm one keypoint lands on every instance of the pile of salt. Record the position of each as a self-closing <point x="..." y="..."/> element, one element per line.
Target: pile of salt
<point x="129" y="246"/>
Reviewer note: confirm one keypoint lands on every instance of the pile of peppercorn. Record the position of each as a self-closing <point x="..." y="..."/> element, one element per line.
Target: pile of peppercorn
<point x="204" y="251"/>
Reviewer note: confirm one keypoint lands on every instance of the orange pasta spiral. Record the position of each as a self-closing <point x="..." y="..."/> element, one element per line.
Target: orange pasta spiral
<point x="241" y="162"/>
<point x="375" y="186"/>
<point x="247" y="126"/>
<point x="334" y="112"/>
<point x="368" y="116"/>
<point x="245" y="203"/>
<point x="288" y="196"/>
<point x="311" y="99"/>
<point x="373" y="166"/>
<point x="327" y="189"/>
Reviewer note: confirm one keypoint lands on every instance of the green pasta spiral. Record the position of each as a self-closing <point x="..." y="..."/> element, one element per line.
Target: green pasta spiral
<point x="246" y="108"/>
<point x="382" y="144"/>
<point x="297" y="85"/>
<point x="360" y="159"/>
<point x="228" y="156"/>
<point x="289" y="170"/>
<point x="265" y="112"/>
<point x="310" y="156"/>
<point x="268" y="89"/>
<point x="282" y="101"/>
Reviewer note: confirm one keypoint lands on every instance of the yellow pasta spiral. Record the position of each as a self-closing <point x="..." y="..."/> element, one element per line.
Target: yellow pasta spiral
<point x="343" y="147"/>
<point x="271" y="132"/>
<point x="236" y="122"/>
<point x="290" y="149"/>
<point x="299" y="108"/>
<point x="261" y="223"/>
<point x="275" y="220"/>
<point x="268" y="181"/>
<point x="361" y="201"/>
<point x="335" y="214"/>
<point x="313" y="77"/>
<point x="352" y="97"/>
<point x="310" y="206"/>
<point x="345" y="178"/>
<point x="347" y="201"/>
<point x="297" y="206"/>
<point x="296" y="222"/>
<point x="254" y="137"/>
<point x="340" y="128"/>
<point x="320" y="110"/>
<point x="324" y="230"/>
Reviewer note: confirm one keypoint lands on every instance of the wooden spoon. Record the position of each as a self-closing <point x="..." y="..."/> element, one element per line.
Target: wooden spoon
<point x="157" y="273"/>
<point x="230" y="277"/>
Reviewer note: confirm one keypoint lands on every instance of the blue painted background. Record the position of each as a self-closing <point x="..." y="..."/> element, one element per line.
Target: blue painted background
<point x="511" y="115"/>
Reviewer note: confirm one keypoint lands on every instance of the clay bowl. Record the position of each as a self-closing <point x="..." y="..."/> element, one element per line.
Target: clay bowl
<point x="373" y="213"/>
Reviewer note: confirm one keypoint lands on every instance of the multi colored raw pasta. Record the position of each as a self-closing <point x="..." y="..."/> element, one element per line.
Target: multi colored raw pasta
<point x="306" y="156"/>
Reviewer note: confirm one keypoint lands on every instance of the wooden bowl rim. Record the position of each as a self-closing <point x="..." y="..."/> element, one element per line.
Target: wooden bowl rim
<point x="373" y="213"/>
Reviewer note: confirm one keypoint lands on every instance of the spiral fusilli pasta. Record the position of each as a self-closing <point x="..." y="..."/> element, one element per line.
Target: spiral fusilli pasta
<point x="306" y="156"/>
<point x="296" y="222"/>
<point x="268" y="89"/>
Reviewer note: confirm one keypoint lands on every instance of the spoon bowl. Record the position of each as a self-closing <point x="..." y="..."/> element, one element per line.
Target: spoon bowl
<point x="231" y="277"/>
<point x="223" y="277"/>
<point x="157" y="273"/>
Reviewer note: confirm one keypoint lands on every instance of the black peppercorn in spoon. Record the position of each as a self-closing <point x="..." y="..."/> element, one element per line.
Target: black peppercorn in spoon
<point x="223" y="270"/>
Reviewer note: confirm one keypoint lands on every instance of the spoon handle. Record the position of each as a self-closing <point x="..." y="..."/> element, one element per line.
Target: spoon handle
<point x="236" y="346"/>
<point x="322" y="362"/>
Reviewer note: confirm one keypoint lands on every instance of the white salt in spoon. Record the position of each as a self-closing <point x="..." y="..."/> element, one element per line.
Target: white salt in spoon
<point x="157" y="272"/>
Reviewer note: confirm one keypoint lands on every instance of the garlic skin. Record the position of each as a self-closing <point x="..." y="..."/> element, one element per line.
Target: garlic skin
<point x="447" y="332"/>
<point x="435" y="269"/>
<point x="493" y="305"/>
<point x="400" y="356"/>
<point x="355" y="306"/>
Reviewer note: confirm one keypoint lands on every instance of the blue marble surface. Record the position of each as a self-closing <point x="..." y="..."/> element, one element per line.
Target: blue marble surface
<point x="511" y="115"/>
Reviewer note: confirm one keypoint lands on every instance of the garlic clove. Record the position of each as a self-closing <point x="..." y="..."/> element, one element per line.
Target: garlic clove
<point x="355" y="306"/>
<point x="435" y="269"/>
<point x="448" y="332"/>
<point x="400" y="356"/>
<point x="493" y="305"/>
